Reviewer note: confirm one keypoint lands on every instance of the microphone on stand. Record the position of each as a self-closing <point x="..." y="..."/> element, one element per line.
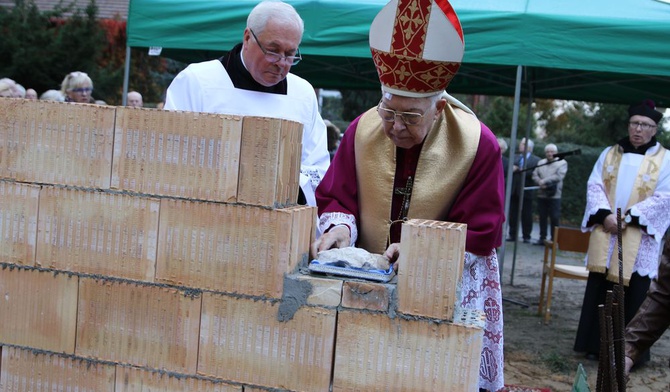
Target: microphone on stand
<point x="562" y="155"/>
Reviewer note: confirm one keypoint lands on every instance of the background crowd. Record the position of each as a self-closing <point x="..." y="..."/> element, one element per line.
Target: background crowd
<point x="76" y="87"/>
<point x="535" y="179"/>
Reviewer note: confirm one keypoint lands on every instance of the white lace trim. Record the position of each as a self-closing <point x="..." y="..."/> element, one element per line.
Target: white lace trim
<point x="654" y="214"/>
<point x="596" y="199"/>
<point x="646" y="262"/>
<point x="329" y="219"/>
<point x="480" y="291"/>
<point x="313" y="175"/>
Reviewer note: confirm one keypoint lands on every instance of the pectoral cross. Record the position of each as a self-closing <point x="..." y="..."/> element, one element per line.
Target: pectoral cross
<point x="406" y="193"/>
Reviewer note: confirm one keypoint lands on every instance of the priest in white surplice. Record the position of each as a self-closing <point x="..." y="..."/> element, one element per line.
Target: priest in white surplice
<point x="253" y="79"/>
<point x="633" y="175"/>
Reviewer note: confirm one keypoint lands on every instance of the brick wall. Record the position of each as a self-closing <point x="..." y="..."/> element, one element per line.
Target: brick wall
<point x="148" y="250"/>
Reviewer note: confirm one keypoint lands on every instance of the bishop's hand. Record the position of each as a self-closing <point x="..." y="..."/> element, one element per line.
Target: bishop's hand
<point x="392" y="253"/>
<point x="336" y="237"/>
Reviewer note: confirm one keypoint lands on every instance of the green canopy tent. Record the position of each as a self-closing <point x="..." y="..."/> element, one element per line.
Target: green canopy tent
<point x="597" y="50"/>
<point x="614" y="51"/>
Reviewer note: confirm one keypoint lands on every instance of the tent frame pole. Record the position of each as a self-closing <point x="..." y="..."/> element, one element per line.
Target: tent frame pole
<point x="510" y="166"/>
<point x="126" y="76"/>
<point x="529" y="123"/>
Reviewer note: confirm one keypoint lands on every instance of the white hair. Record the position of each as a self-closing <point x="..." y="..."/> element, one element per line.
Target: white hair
<point x="15" y="90"/>
<point x="550" y="146"/>
<point x="278" y="11"/>
<point x="7" y="87"/>
<point x="74" y="80"/>
<point x="503" y="144"/>
<point x="20" y="90"/>
<point x="52" y="95"/>
<point x="529" y="144"/>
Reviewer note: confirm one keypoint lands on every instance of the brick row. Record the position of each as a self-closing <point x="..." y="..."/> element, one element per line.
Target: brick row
<point x="31" y="370"/>
<point x="222" y="247"/>
<point x="242" y="340"/>
<point x="160" y="327"/>
<point x="199" y="156"/>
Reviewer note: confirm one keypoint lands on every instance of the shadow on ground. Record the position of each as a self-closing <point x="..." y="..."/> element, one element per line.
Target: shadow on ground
<point x="538" y="355"/>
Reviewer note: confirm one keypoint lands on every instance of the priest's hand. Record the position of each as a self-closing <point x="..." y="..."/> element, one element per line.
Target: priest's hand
<point x="610" y="224"/>
<point x="392" y="253"/>
<point x="336" y="237"/>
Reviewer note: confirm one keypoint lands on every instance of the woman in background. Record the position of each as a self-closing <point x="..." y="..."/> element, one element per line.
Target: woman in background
<point x="77" y="87"/>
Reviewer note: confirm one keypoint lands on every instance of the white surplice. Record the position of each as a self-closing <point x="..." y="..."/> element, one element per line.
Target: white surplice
<point x="207" y="87"/>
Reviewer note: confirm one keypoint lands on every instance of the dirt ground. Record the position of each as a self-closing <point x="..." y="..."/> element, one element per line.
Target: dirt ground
<point x="538" y="355"/>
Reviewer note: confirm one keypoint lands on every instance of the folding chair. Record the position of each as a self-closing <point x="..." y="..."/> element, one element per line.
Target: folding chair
<point x="565" y="239"/>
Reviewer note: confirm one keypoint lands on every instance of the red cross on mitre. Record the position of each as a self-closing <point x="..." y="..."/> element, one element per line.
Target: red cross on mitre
<point x="417" y="46"/>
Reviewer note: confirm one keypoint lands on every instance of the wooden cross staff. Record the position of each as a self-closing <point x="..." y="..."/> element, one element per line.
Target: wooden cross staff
<point x="611" y="368"/>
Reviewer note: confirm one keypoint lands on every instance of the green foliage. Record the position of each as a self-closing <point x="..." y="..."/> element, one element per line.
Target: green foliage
<point x="78" y="42"/>
<point x="556" y="362"/>
<point x="498" y="114"/>
<point x="610" y="124"/>
<point x="39" y="48"/>
<point x="331" y="109"/>
<point x="587" y="124"/>
<point x="573" y="199"/>
<point x="356" y="102"/>
<point x="663" y="136"/>
<point x="568" y="124"/>
<point x="149" y="75"/>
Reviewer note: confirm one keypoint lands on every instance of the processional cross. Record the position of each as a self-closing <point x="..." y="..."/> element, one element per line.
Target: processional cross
<point x="406" y="193"/>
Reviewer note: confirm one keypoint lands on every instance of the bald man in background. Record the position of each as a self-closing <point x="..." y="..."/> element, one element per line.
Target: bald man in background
<point x="135" y="100"/>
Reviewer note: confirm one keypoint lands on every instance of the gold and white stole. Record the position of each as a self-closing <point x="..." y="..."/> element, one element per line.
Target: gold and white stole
<point x="644" y="186"/>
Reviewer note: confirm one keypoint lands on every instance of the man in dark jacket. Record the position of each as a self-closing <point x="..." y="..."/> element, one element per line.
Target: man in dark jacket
<point x="653" y="317"/>
<point x="524" y="163"/>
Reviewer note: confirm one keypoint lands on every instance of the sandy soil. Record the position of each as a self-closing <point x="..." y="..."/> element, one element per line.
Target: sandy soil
<point x="541" y="355"/>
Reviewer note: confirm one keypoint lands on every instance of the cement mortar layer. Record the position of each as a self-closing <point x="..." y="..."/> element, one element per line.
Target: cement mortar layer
<point x="146" y="195"/>
<point x="187" y="291"/>
<point x="296" y="292"/>
<point x="294" y="296"/>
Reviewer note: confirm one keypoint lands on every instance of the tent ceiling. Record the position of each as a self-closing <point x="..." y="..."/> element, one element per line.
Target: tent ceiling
<point x="597" y="50"/>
